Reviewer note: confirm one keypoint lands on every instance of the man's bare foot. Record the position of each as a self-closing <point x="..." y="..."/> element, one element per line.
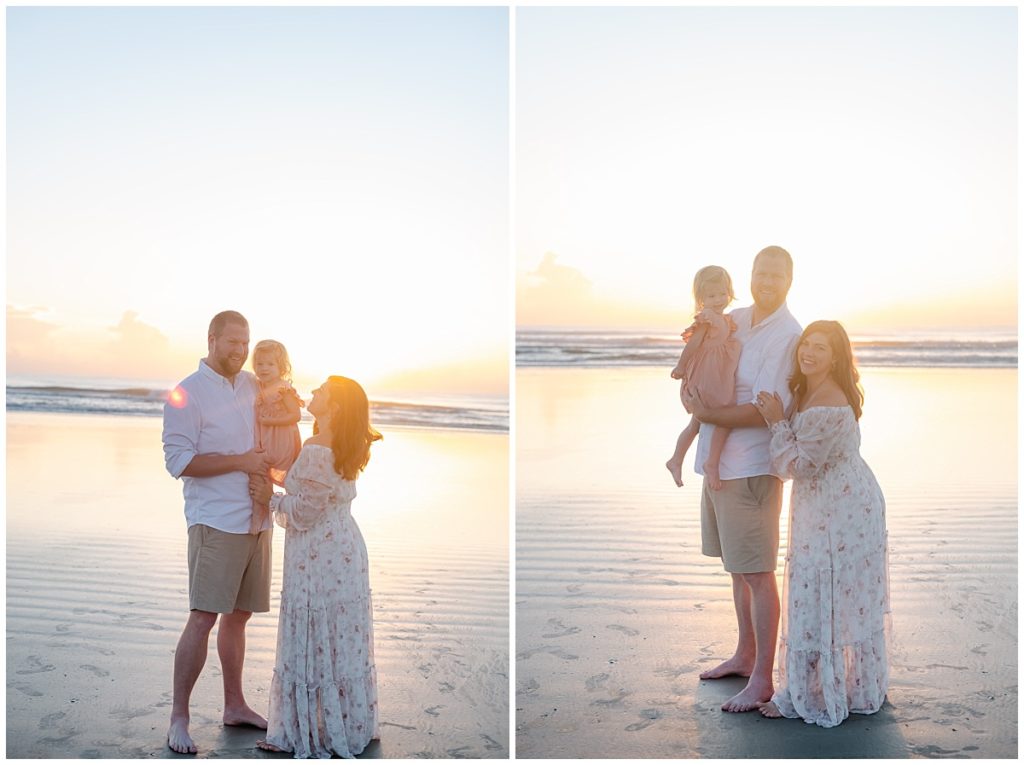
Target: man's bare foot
<point x="178" y="738"/>
<point x="262" y="744"/>
<point x="676" y="469"/>
<point x="768" y="709"/>
<point x="729" y="668"/>
<point x="244" y="716"/>
<point x="750" y="698"/>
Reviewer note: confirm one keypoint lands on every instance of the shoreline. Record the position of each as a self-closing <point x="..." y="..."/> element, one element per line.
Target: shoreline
<point x="97" y="594"/>
<point x="618" y="611"/>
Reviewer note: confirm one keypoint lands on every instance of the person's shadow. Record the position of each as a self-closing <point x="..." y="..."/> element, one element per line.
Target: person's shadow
<point x="749" y="735"/>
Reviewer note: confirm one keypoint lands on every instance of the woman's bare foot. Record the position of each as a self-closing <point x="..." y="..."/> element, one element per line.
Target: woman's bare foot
<point x="262" y="744"/>
<point x="753" y="696"/>
<point x="244" y="716"/>
<point x="178" y="738"/>
<point x="729" y="668"/>
<point x="768" y="709"/>
<point x="676" y="469"/>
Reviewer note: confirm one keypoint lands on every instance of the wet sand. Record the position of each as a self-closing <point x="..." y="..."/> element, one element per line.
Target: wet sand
<point x="617" y="612"/>
<point x="97" y="594"/>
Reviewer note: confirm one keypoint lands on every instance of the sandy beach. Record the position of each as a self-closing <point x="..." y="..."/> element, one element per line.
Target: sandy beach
<point x="97" y="594"/>
<point x="617" y="612"/>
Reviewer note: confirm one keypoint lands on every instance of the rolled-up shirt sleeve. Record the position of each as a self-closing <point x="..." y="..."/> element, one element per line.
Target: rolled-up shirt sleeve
<point x="180" y="436"/>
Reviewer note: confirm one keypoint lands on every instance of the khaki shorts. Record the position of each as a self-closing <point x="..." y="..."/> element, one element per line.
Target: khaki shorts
<point x="739" y="523"/>
<point x="228" y="572"/>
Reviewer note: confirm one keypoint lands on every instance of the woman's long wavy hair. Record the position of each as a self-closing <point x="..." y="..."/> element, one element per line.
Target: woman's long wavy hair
<point x="844" y="370"/>
<point x="351" y="431"/>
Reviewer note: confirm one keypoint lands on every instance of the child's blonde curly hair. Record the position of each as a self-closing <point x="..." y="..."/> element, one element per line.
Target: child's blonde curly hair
<point x="279" y="354"/>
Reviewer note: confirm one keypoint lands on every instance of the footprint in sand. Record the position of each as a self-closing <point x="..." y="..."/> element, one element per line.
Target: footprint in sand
<point x="574" y="588"/>
<point x="126" y="713"/>
<point x="611" y="702"/>
<point x="435" y="710"/>
<point x="95" y="670"/>
<point x="445" y="687"/>
<point x="529" y="686"/>
<point x="675" y="672"/>
<point x="648" y="718"/>
<point x="64" y="627"/>
<point x="597" y="681"/>
<point x="491" y="745"/>
<point x="556" y="624"/>
<point x="561" y="654"/>
<point x="27" y="689"/>
<point x="51" y="720"/>
<point x="36" y="666"/>
<point x="626" y="630"/>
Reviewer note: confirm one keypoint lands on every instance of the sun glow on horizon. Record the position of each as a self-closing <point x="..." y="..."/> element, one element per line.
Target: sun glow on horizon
<point x="332" y="173"/>
<point x="878" y="145"/>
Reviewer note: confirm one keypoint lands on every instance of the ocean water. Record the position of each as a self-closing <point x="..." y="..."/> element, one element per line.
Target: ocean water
<point x="632" y="348"/>
<point x="124" y="398"/>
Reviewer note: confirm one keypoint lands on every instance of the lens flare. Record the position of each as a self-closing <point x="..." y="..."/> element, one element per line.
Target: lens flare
<point x="177" y="397"/>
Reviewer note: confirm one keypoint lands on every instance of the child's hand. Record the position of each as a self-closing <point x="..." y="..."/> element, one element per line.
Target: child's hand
<point x="677" y="373"/>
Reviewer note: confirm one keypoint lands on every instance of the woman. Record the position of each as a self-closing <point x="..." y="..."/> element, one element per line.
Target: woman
<point x="323" y="698"/>
<point x="832" y="649"/>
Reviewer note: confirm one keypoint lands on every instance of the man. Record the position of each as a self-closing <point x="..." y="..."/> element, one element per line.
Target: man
<point x="740" y="521"/>
<point x="208" y="442"/>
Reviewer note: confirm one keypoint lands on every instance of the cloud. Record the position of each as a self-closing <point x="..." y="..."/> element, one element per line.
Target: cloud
<point x="561" y="295"/>
<point x="129" y="349"/>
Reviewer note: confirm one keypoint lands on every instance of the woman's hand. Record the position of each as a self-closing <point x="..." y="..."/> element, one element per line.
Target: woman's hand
<point x="770" y="407"/>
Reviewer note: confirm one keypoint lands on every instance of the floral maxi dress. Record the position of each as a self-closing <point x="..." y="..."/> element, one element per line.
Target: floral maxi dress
<point x="323" y="697"/>
<point x="835" y="600"/>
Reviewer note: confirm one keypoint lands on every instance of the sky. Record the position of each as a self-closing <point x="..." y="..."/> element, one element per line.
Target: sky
<point x="877" y="145"/>
<point x="338" y="175"/>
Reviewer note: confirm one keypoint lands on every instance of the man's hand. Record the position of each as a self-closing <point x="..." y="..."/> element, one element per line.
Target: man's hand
<point x="254" y="462"/>
<point x="695" y="404"/>
<point x="259" y="488"/>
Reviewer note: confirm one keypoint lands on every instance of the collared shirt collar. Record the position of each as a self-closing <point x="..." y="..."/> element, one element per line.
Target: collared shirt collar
<point x="208" y="372"/>
<point x="777" y="315"/>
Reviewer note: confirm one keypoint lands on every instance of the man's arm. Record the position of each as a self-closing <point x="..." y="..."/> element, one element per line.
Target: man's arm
<point x="206" y="465"/>
<point x="737" y="416"/>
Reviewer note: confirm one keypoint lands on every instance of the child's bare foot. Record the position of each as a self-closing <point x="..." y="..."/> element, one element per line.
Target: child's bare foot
<point x="676" y="469"/>
<point x="768" y="709"/>
<point x="258" y="517"/>
<point x="711" y="473"/>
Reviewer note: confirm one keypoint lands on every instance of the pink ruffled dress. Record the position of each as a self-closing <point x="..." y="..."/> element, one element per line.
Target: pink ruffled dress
<point x="711" y="371"/>
<point x="281" y="442"/>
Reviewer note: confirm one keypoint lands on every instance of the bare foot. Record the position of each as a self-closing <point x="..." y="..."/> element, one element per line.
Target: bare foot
<point x="262" y="744"/>
<point x="729" y="668"/>
<point x="178" y="738"/>
<point x="244" y="716"/>
<point x="750" y="698"/>
<point x="676" y="469"/>
<point x="711" y="473"/>
<point x="769" y="709"/>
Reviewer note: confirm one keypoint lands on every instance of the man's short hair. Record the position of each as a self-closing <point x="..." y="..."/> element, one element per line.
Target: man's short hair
<point x="775" y="251"/>
<point x="221" y="320"/>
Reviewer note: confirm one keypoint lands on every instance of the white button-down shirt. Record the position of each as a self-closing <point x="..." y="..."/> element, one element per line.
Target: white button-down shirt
<point x="766" y="364"/>
<point x="206" y="414"/>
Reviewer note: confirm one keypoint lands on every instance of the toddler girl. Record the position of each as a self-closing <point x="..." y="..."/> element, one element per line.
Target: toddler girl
<point x="707" y="366"/>
<point x="277" y="417"/>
